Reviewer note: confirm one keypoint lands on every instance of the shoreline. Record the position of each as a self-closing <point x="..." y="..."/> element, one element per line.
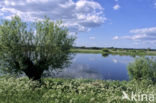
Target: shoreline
<point x="117" y="52"/>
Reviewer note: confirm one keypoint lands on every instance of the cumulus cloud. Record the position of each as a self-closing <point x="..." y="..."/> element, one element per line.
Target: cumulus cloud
<point x="116" y="7"/>
<point x="144" y="34"/>
<point x="78" y="16"/>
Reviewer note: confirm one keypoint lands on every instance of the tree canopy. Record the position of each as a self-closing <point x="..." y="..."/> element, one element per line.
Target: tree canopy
<point x="32" y="48"/>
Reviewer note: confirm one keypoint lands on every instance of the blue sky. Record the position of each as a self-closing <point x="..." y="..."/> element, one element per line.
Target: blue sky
<point x="102" y="23"/>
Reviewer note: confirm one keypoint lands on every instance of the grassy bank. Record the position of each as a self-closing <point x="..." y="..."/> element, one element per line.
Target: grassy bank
<point x="22" y="90"/>
<point x="153" y="53"/>
<point x="132" y="52"/>
<point x="86" y="51"/>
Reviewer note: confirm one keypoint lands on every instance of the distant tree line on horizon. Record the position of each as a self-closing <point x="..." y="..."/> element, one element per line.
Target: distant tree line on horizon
<point x="113" y="48"/>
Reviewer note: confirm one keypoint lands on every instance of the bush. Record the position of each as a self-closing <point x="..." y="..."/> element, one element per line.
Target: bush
<point x="105" y="50"/>
<point x="134" y="51"/>
<point x="148" y="49"/>
<point x="105" y="54"/>
<point x="114" y="49"/>
<point x="143" y="68"/>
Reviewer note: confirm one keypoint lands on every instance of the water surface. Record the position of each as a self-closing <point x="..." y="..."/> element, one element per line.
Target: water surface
<point x="96" y="66"/>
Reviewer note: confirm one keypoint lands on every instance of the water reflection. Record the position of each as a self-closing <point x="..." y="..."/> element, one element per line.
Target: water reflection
<point x="105" y="54"/>
<point x="96" y="66"/>
<point x="79" y="71"/>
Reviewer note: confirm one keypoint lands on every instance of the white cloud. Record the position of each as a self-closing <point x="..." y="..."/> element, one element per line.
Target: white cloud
<point x="115" y="60"/>
<point x="143" y="35"/>
<point x="116" y="7"/>
<point x="144" y="30"/>
<point x="155" y="4"/>
<point x="92" y="38"/>
<point x="72" y="34"/>
<point x="115" y="37"/>
<point x="78" y="16"/>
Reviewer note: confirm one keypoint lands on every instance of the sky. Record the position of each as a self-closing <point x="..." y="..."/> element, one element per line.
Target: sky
<point x="100" y="23"/>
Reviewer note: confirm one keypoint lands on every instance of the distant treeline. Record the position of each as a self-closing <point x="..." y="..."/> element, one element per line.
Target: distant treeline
<point x="83" y="47"/>
<point x="113" y="48"/>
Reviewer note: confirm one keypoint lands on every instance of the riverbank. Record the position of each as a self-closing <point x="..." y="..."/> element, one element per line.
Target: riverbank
<point x="86" y="51"/>
<point x="54" y="90"/>
<point x="132" y="52"/>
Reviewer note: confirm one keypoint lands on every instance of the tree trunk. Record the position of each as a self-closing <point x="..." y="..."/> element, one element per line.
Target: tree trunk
<point x="33" y="71"/>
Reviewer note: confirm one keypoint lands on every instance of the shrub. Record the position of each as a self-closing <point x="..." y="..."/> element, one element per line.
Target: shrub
<point x="105" y="54"/>
<point x="148" y="49"/>
<point x="143" y="68"/>
<point x="134" y="51"/>
<point x="105" y="50"/>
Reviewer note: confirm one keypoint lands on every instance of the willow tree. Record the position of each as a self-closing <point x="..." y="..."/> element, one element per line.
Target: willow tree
<point x="33" y="48"/>
<point x="143" y="68"/>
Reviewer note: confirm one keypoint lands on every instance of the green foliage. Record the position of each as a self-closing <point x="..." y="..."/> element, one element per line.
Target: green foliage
<point x="86" y="51"/>
<point x="114" y="49"/>
<point x="23" y="90"/>
<point x="105" y="54"/>
<point x="95" y="48"/>
<point x="33" y="48"/>
<point x="148" y="49"/>
<point x="105" y="50"/>
<point x="133" y="51"/>
<point x="83" y="47"/>
<point x="143" y="68"/>
<point x="142" y="50"/>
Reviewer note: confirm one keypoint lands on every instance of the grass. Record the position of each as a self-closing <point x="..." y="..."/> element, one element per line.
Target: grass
<point x="132" y="52"/>
<point x="86" y="51"/>
<point x="116" y="52"/>
<point x="52" y="90"/>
